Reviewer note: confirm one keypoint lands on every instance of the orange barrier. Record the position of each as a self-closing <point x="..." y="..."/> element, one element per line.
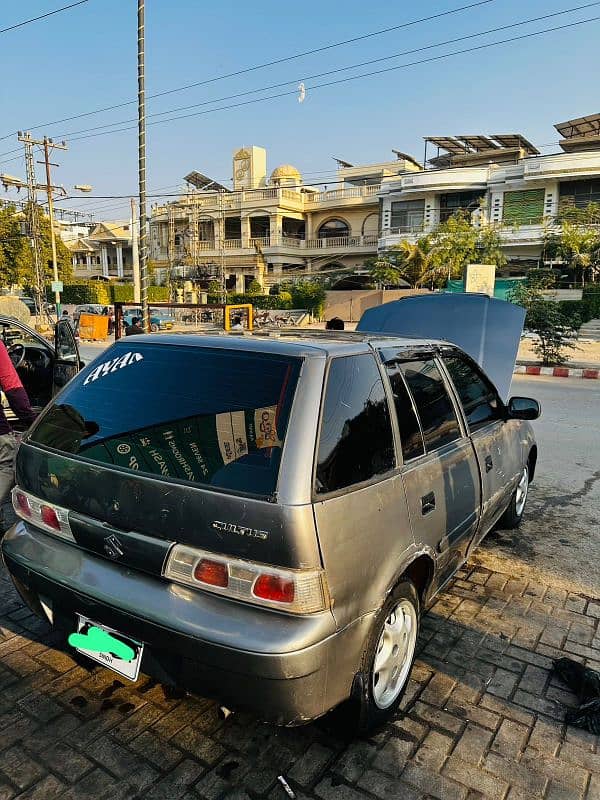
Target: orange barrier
<point x="93" y="327"/>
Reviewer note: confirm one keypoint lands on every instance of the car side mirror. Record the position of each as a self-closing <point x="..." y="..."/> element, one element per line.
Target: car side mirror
<point x="523" y="408"/>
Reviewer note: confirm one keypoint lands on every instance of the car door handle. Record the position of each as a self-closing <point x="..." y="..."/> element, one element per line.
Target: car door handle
<point x="427" y="503"/>
<point x="488" y="463"/>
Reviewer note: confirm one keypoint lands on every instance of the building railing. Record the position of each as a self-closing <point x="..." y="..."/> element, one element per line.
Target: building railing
<point x="286" y="242"/>
<point x="229" y="200"/>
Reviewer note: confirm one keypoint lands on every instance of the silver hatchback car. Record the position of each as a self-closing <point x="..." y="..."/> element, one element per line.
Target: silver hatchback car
<point x="264" y="519"/>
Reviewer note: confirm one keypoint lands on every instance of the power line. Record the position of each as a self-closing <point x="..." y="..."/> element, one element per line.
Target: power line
<point x="263" y="66"/>
<point x="42" y="16"/>
<point x="341" y="69"/>
<point x="353" y="77"/>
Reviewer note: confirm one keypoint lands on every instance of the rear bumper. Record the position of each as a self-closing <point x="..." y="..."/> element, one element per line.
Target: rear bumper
<point x="286" y="669"/>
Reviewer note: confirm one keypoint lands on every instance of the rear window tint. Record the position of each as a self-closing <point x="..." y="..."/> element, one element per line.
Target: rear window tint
<point x="206" y="416"/>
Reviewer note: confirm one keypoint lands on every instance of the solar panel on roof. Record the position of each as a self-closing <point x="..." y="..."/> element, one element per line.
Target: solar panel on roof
<point x="515" y="140"/>
<point x="479" y="142"/>
<point x="200" y="181"/>
<point x="448" y="143"/>
<point x="582" y="126"/>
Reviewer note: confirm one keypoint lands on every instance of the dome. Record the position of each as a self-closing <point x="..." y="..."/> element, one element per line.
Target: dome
<point x="285" y="171"/>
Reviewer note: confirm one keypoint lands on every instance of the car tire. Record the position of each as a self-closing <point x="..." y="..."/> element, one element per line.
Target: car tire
<point x="154" y="327"/>
<point x="513" y="515"/>
<point x="388" y="658"/>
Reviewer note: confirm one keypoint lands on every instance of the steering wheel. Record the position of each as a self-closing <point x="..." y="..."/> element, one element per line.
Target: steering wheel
<point x="17" y="354"/>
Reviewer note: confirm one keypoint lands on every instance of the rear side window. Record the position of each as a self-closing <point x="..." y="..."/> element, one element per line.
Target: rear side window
<point x="477" y="395"/>
<point x="435" y="409"/>
<point x="205" y="416"/>
<point x="356" y="441"/>
<point x="410" y="430"/>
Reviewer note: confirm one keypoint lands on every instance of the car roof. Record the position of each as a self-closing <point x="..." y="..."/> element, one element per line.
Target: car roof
<point x="315" y="344"/>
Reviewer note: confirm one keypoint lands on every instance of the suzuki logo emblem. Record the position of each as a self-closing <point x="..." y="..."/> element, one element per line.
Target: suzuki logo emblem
<point x="112" y="546"/>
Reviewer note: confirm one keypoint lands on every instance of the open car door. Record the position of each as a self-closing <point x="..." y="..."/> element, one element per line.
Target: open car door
<point x="67" y="362"/>
<point x="488" y="330"/>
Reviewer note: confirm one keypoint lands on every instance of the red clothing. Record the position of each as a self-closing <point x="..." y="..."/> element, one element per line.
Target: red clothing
<point x="11" y="385"/>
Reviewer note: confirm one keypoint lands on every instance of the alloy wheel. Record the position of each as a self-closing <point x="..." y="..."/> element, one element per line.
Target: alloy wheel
<point x="394" y="654"/>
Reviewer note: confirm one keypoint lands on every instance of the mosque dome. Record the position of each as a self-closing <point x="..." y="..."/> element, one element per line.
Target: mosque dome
<point x="286" y="172"/>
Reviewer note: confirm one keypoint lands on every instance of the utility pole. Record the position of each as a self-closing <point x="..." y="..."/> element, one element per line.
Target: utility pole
<point x="142" y="170"/>
<point x="222" y="278"/>
<point x="135" y="256"/>
<point x="171" y="247"/>
<point x="48" y="143"/>
<point x="33" y="221"/>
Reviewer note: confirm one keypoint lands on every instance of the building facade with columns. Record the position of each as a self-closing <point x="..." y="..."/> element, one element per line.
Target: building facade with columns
<point x="271" y="226"/>
<point x="502" y="181"/>
<point x="105" y="253"/>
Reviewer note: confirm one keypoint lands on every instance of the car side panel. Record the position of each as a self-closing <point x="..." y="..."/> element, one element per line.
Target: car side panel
<point x="452" y="476"/>
<point x="500" y="444"/>
<point x="364" y="535"/>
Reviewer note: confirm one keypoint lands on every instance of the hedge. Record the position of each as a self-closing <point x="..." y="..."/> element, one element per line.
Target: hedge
<point x="107" y="293"/>
<point x="264" y="301"/>
<point x="580" y="311"/>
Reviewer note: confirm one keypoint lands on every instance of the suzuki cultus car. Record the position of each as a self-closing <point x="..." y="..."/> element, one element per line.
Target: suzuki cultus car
<point x="264" y="519"/>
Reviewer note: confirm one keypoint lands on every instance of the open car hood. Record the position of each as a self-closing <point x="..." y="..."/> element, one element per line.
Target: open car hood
<point x="488" y="330"/>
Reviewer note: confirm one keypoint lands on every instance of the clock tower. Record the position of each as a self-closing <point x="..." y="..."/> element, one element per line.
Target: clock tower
<point x="249" y="168"/>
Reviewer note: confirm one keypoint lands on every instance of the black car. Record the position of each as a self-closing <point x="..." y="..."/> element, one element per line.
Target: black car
<point x="43" y="367"/>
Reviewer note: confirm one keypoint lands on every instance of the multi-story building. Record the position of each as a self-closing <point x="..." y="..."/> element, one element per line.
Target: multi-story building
<point x="502" y="181"/>
<point x="271" y="225"/>
<point x="105" y="253"/>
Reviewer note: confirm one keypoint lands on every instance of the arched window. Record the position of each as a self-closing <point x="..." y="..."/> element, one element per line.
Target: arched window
<point x="333" y="228"/>
<point x="370" y="225"/>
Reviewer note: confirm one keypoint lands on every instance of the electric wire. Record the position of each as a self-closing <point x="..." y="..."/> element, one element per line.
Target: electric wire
<point x="42" y="16"/>
<point x="262" y="66"/>
<point x="337" y="70"/>
<point x="373" y="73"/>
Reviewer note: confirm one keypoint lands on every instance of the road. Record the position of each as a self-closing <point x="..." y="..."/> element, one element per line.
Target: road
<point x="560" y="537"/>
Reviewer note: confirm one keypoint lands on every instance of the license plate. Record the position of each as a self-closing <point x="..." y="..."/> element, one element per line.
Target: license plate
<point x="120" y="661"/>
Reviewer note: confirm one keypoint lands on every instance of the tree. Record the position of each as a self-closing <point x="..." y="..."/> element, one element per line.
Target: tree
<point x="16" y="255"/>
<point x="545" y="318"/>
<point x="307" y="294"/>
<point x="579" y="245"/>
<point x="489" y="246"/>
<point x="406" y="261"/>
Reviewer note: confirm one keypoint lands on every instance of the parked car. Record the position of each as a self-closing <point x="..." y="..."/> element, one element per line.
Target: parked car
<point x="160" y="320"/>
<point x="264" y="520"/>
<point x="87" y="308"/>
<point x="44" y="368"/>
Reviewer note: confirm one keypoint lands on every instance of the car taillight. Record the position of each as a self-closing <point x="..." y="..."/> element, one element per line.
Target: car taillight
<point x="273" y="587"/>
<point x="49" y="517"/>
<point x="297" y="591"/>
<point x="214" y="573"/>
<point x="21" y="504"/>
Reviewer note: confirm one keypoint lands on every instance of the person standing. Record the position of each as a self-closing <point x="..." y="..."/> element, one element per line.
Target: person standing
<point x="17" y="398"/>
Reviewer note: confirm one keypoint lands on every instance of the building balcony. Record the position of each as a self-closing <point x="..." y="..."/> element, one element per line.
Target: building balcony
<point x="279" y="245"/>
<point x="268" y="197"/>
<point x="355" y="195"/>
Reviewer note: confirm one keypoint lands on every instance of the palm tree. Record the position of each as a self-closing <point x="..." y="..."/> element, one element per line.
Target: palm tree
<point x="415" y="263"/>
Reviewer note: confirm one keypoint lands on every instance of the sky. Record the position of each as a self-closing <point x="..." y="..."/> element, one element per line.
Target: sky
<point x="84" y="59"/>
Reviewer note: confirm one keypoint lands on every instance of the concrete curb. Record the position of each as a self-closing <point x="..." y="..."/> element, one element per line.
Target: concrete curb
<point x="559" y="372"/>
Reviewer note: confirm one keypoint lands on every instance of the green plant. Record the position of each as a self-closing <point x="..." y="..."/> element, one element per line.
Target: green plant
<point x="254" y="289"/>
<point x="546" y="318"/>
<point x="309" y="295"/>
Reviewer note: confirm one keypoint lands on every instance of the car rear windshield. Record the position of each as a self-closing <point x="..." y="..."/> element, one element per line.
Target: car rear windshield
<point x="206" y="416"/>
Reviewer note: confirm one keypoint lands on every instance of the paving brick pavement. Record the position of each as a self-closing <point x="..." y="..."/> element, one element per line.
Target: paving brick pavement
<point x="482" y="717"/>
